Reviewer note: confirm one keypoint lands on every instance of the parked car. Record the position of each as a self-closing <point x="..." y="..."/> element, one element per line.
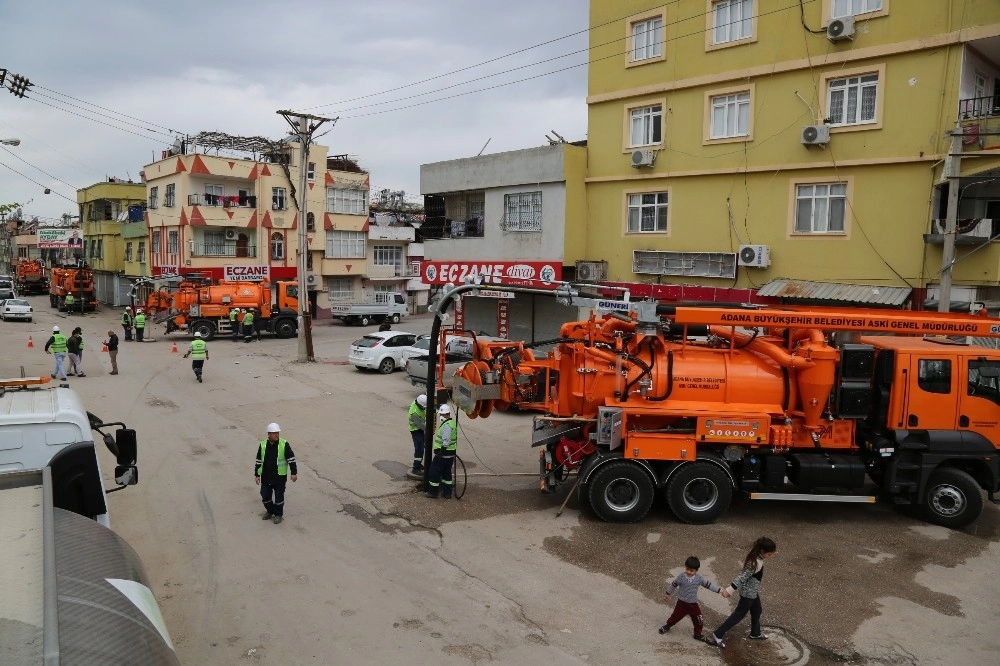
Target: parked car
<point x="16" y="308"/>
<point x="456" y="343"/>
<point x="381" y="350"/>
<point x="7" y="291"/>
<point x="458" y="352"/>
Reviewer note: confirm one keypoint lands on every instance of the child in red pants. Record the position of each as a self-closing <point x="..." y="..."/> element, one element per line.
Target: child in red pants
<point x="687" y="599"/>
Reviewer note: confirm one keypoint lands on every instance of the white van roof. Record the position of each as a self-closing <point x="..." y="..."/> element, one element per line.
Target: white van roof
<point x="48" y="405"/>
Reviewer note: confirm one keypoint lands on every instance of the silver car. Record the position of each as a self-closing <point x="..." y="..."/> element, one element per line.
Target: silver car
<point x="16" y="308"/>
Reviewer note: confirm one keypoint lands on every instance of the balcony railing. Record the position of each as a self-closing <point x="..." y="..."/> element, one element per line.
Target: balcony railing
<point x="979" y="107"/>
<point x="222" y="200"/>
<point x="980" y="120"/>
<point x="439" y="227"/>
<point x="216" y="250"/>
<point x="975" y="231"/>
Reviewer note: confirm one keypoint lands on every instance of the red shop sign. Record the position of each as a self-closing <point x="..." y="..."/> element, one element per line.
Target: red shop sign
<point x="538" y="274"/>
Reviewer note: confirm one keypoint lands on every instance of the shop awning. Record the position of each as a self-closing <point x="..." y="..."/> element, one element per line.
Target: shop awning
<point x="836" y="291"/>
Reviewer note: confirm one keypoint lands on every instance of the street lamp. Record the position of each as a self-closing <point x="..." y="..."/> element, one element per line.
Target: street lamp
<point x="10" y="142"/>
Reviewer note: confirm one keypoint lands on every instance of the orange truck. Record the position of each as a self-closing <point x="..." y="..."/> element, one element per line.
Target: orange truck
<point x="30" y="277"/>
<point x="76" y="281"/>
<point x="774" y="403"/>
<point x="203" y="308"/>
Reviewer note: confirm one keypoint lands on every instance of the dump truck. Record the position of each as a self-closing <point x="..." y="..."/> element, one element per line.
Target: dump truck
<point x="197" y="306"/>
<point x="76" y="281"/>
<point x="74" y="591"/>
<point x="772" y="403"/>
<point x="30" y="277"/>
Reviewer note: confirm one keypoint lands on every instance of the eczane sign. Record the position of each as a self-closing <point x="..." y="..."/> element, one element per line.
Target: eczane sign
<point x="539" y="274"/>
<point x="232" y="273"/>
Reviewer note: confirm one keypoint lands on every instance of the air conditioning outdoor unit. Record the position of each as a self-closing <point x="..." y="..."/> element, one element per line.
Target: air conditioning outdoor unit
<point x="643" y="158"/>
<point x="230" y="234"/>
<point x="591" y="271"/>
<point x="840" y="29"/>
<point x="314" y="280"/>
<point x="815" y="135"/>
<point x="754" y="256"/>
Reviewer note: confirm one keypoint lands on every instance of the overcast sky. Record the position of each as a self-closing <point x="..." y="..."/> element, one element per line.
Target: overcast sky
<point x="221" y="65"/>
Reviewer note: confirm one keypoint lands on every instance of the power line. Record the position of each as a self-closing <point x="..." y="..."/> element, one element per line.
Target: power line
<point x="73" y="201"/>
<point x="59" y="108"/>
<point x="119" y="113"/>
<point x="95" y="113"/>
<point x="38" y="168"/>
<point x="34" y="140"/>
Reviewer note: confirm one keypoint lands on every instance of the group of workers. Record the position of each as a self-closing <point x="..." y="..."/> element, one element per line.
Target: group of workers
<point x="440" y="481"/>
<point x="136" y="322"/>
<point x="245" y="320"/>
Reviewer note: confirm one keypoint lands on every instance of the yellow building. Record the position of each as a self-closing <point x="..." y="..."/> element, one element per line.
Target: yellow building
<point x="114" y="233"/>
<point x="747" y="144"/>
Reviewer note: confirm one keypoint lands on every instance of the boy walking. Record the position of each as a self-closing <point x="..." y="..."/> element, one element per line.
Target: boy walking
<point x="687" y="598"/>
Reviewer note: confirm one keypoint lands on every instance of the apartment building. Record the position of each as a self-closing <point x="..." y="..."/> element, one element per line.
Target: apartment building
<point x="793" y="150"/>
<point x="114" y="238"/>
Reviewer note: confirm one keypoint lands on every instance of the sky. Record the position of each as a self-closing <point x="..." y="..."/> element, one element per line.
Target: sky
<point x="164" y="69"/>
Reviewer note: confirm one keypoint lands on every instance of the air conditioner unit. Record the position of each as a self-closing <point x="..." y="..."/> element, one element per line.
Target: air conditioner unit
<point x="643" y="158"/>
<point x="840" y="29"/>
<point x="314" y="280"/>
<point x="815" y="135"/>
<point x="230" y="234"/>
<point x="754" y="256"/>
<point x="591" y="271"/>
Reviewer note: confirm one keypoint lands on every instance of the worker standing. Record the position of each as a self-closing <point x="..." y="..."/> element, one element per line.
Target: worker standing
<point x="57" y="344"/>
<point x="198" y="351"/>
<point x="248" y="326"/>
<point x="127" y="324"/>
<point x="417" y="418"/>
<point x="234" y="326"/>
<point x="445" y="443"/>
<point x="112" y="343"/>
<point x="75" y="347"/>
<point x="68" y="301"/>
<point x="275" y="459"/>
<point x="140" y="325"/>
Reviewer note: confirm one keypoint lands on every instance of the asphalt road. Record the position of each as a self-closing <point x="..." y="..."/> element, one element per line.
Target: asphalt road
<point x="367" y="570"/>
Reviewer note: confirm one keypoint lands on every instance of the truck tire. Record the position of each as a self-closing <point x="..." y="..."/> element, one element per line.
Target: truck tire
<point x="203" y="326"/>
<point x="365" y="320"/>
<point x="698" y="493"/>
<point x="395" y="319"/>
<point x="386" y="366"/>
<point x="53" y="301"/>
<point x="621" y="492"/>
<point x="285" y="328"/>
<point x="952" y="498"/>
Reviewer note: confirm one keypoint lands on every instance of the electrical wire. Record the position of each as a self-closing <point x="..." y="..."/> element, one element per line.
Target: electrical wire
<point x="73" y="201"/>
<point x="35" y="140"/>
<point x="100" y="115"/>
<point x="75" y="99"/>
<point x="39" y="168"/>
<point x="59" y="108"/>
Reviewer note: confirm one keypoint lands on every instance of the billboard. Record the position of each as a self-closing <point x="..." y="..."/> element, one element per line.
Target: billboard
<point x="501" y="273"/>
<point x="232" y="273"/>
<point x="59" y="238"/>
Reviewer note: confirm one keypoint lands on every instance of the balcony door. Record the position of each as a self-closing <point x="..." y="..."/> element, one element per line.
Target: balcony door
<point x="242" y="246"/>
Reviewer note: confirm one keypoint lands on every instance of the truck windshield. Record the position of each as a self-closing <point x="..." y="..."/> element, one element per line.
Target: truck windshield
<point x="984" y="380"/>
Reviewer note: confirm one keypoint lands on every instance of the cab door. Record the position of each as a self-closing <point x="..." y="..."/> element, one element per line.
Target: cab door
<point x="932" y="394"/>
<point x="979" y="399"/>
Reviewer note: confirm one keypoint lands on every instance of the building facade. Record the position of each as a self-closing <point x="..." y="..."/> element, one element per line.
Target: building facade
<point x="787" y="151"/>
<point x="109" y="211"/>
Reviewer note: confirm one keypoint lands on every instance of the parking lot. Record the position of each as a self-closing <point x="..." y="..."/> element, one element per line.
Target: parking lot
<point x="366" y="569"/>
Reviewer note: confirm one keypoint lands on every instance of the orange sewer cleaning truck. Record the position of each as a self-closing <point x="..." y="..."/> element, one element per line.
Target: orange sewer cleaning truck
<point x="30" y="277"/>
<point x="77" y="281"/>
<point x="773" y="403"/>
<point x="198" y="307"/>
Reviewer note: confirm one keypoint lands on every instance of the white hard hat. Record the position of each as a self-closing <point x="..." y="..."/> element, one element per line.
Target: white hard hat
<point x="422" y="400"/>
<point x="198" y="334"/>
<point x="444" y="409"/>
<point x="55" y="329"/>
<point x="273" y="427"/>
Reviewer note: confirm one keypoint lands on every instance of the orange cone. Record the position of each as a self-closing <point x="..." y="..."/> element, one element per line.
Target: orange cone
<point x="31" y="345"/>
<point x="173" y="350"/>
<point x="105" y="348"/>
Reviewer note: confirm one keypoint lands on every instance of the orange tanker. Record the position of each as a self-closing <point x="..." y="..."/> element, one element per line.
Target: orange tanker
<point x="30" y="277"/>
<point x="76" y="281"/>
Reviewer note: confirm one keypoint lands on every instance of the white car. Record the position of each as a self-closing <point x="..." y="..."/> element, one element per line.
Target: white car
<point x="16" y="308"/>
<point x="382" y="350"/>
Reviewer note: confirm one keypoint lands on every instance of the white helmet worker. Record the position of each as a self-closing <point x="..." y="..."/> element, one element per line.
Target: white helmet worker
<point x="444" y="410"/>
<point x="197" y="334"/>
<point x="273" y="427"/>
<point x="55" y="329"/>
<point x="422" y="400"/>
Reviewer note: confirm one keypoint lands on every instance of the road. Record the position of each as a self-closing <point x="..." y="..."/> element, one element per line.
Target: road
<point x="365" y="569"/>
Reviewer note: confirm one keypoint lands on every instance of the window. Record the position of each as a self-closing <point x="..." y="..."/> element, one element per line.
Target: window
<point x="169" y="196"/>
<point x="820" y="208"/>
<point x="345" y="245"/>
<point x="388" y="255"/>
<point x="156" y="241"/>
<point x="154" y="195"/>
<point x="934" y="375"/>
<point x="341" y="289"/>
<point x="172" y="242"/>
<point x="647" y="213"/>
<point x="215" y="243"/>
<point x="310" y="222"/>
<point x="732" y="20"/>
<point x="522" y="211"/>
<point x="100" y="248"/>
<point x="277" y="246"/>
<point x="278" y="198"/>
<point x="984" y="380"/>
<point x="730" y="115"/>
<point x="214" y="195"/>
<point x="311" y="172"/>
<point x="349" y="201"/>
<point x="93" y="249"/>
<point x="647" y="39"/>
<point x="128" y="251"/>
<point x="852" y="100"/>
<point x="142" y="252"/>
<point x="309" y="261"/>
<point x="646" y="124"/>
<point x="855" y="7"/>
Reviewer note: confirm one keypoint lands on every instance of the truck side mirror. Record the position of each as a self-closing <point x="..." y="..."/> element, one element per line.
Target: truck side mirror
<point x="126" y="443"/>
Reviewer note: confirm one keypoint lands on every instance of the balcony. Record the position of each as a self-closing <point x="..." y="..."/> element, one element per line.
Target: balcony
<point x="980" y="121"/>
<point x="436" y="228"/>
<point x="391" y="233"/>
<point x="216" y="250"/>
<point x="387" y="272"/>
<point x="970" y="232"/>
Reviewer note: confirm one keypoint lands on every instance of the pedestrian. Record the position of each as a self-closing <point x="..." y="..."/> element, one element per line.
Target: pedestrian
<point x="258" y="323"/>
<point x="140" y="325"/>
<point x="445" y="444"/>
<point x="248" y="325"/>
<point x="198" y="351"/>
<point x="417" y="417"/>
<point x="68" y="303"/>
<point x="233" y="324"/>
<point x="57" y="346"/>
<point x="127" y="323"/>
<point x="688" y="585"/>
<point x="75" y="348"/>
<point x="275" y="460"/>
<point x="748" y="584"/>
<point x="112" y="343"/>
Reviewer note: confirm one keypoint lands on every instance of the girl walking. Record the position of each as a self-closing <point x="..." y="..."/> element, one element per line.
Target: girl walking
<point x="748" y="584"/>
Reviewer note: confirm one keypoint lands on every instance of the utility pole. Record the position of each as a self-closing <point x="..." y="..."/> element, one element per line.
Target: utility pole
<point x="952" y="168"/>
<point x="304" y="126"/>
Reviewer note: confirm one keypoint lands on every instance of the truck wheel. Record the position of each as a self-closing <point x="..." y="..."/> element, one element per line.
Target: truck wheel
<point x="620" y="492"/>
<point x="395" y="319"/>
<point x="285" y="328"/>
<point x="365" y="320"/>
<point x="53" y="302"/>
<point x="204" y="327"/>
<point x="953" y="498"/>
<point x="386" y="366"/>
<point x="698" y="493"/>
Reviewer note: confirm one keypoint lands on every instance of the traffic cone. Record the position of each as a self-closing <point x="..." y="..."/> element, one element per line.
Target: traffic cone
<point x="173" y="350"/>
<point x="31" y="345"/>
<point x="105" y="348"/>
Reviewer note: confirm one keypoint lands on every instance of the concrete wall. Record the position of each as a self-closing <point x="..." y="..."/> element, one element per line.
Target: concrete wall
<point x="543" y="164"/>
